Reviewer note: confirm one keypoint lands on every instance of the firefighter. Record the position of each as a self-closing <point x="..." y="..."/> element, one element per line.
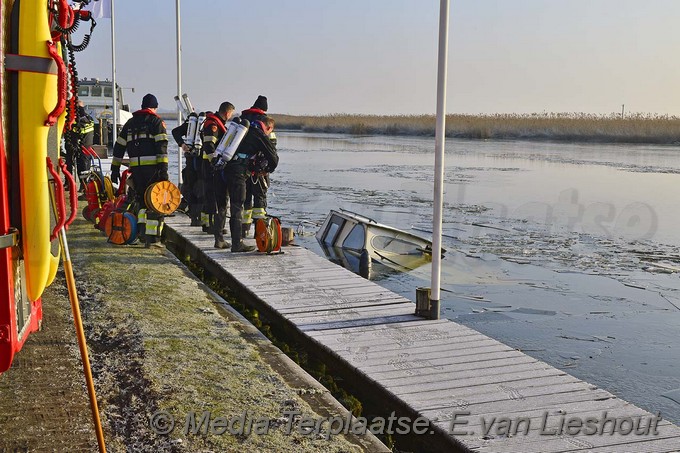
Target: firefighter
<point x="255" y="206"/>
<point x="216" y="187"/>
<point x="191" y="189"/>
<point x="255" y="142"/>
<point x="80" y="134"/>
<point x="145" y="139"/>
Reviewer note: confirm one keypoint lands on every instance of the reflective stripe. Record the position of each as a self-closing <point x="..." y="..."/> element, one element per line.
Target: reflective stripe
<point x="241" y="156"/>
<point x="88" y="128"/>
<point x="141" y="216"/>
<point x="116" y="161"/>
<point x="161" y="137"/>
<point x="272" y="136"/>
<point x="151" y="227"/>
<point x="210" y="139"/>
<point x="209" y="156"/>
<point x="162" y="158"/>
<point x="121" y="141"/>
<point x="142" y="160"/>
<point x="247" y="215"/>
<point x="259" y="213"/>
<point x="205" y="219"/>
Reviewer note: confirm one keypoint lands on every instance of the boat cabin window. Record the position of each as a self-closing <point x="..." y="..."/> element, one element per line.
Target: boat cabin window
<point x="96" y="91"/>
<point x="108" y="92"/>
<point x="356" y="238"/>
<point x="394" y="245"/>
<point x="334" y="227"/>
<point x="83" y="90"/>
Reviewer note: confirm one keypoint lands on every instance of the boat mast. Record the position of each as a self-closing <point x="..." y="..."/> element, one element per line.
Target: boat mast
<point x="440" y="135"/>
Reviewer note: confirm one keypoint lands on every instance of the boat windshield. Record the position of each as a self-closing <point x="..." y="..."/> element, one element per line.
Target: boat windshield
<point x="83" y="90"/>
<point x="334" y="227"/>
<point x="108" y="92"/>
<point x="355" y="239"/>
<point x="395" y="245"/>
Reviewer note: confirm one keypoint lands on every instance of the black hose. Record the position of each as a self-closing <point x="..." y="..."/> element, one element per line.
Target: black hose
<point x="86" y="40"/>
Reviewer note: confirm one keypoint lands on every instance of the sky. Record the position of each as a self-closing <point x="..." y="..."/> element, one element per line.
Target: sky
<point x="313" y="57"/>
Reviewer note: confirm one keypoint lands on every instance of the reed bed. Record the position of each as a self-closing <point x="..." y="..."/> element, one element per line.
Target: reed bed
<point x="632" y="128"/>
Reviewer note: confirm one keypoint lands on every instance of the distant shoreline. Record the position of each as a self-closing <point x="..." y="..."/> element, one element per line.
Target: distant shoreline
<point x="572" y="127"/>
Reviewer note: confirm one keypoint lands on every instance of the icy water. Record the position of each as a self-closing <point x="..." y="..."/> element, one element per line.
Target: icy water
<point x="566" y="252"/>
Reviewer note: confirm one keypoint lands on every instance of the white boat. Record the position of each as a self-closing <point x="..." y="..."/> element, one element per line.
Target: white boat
<point x="355" y="234"/>
<point x="97" y="95"/>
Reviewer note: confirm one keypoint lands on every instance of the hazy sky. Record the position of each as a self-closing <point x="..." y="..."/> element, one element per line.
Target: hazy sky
<point x="380" y="56"/>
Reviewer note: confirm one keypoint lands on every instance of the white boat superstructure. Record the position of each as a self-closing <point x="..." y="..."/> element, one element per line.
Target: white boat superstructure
<point x="97" y="95"/>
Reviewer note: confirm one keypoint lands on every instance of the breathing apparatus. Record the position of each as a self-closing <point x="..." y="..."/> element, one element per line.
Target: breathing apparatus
<point x="194" y="123"/>
<point x="226" y="148"/>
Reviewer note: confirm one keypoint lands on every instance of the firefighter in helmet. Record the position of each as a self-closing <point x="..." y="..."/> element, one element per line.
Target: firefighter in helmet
<point x="257" y="184"/>
<point x="236" y="171"/>
<point x="216" y="184"/>
<point x="145" y="140"/>
<point x="81" y="134"/>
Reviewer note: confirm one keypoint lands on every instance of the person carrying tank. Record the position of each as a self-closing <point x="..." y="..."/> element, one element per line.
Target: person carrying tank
<point x="215" y="186"/>
<point x="255" y="206"/>
<point x="191" y="186"/>
<point x="213" y="130"/>
<point x="235" y="172"/>
<point x="80" y="134"/>
<point x="145" y="140"/>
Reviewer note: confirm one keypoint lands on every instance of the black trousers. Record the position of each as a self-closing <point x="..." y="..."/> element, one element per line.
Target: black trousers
<point x="235" y="175"/>
<point x="207" y="176"/>
<point x="74" y="155"/>
<point x="191" y="188"/>
<point x="220" y="184"/>
<point x="256" y="192"/>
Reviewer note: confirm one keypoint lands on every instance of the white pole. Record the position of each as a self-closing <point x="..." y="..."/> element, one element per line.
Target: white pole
<point x="440" y="132"/>
<point x="113" y="76"/>
<point x="179" y="93"/>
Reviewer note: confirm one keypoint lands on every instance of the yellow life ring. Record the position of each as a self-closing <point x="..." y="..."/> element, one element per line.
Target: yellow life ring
<point x="163" y="197"/>
<point x="37" y="94"/>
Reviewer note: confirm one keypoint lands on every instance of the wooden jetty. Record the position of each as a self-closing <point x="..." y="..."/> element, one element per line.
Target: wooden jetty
<point x="501" y="399"/>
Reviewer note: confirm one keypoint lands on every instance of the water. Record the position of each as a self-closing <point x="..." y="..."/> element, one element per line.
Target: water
<point x="567" y="252"/>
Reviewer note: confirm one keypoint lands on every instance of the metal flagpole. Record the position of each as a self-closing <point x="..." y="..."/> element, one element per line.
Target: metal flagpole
<point x="179" y="93"/>
<point x="440" y="132"/>
<point x="113" y="70"/>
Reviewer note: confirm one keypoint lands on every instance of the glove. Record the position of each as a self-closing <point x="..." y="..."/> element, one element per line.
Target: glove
<point x="163" y="174"/>
<point x="115" y="175"/>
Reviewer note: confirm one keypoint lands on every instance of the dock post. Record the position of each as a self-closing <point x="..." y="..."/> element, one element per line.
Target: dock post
<point x="426" y="307"/>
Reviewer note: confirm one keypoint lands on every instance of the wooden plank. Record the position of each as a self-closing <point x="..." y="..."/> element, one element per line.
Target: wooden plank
<point x="363" y="322"/>
<point x="498" y="379"/>
<point x="310" y="306"/>
<point x="379" y="360"/>
<point x="425" y="371"/>
<point x="421" y="323"/>
<point x="484" y="405"/>
<point x="400" y="345"/>
<point x="517" y="391"/>
<point x="506" y="385"/>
